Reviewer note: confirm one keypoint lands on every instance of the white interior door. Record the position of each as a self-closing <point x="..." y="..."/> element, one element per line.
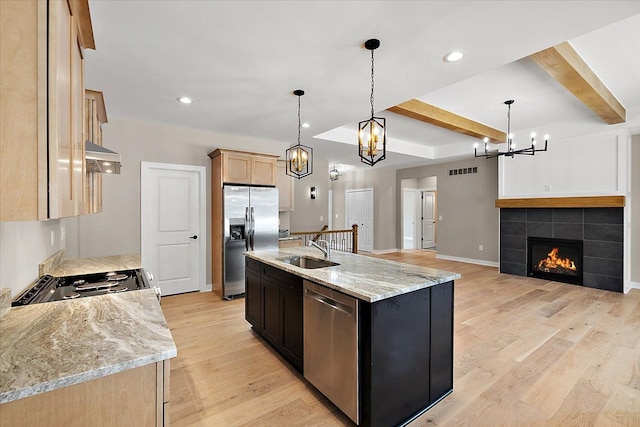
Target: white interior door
<point x="359" y="210"/>
<point x="428" y="220"/>
<point x="409" y="197"/>
<point x="173" y="226"/>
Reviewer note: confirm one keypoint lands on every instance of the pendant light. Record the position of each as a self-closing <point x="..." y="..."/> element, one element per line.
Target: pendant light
<point x="299" y="157"/>
<point x="511" y="146"/>
<point x="372" y="133"/>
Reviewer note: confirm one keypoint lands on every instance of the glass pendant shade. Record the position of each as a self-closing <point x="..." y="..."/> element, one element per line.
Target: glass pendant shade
<point x="299" y="158"/>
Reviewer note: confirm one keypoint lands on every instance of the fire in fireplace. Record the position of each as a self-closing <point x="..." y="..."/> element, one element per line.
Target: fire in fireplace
<point x="555" y="259"/>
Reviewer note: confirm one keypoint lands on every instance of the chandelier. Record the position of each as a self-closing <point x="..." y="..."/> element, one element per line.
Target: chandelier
<point x="372" y="133"/>
<point x="511" y="146"/>
<point x="299" y="157"/>
<point x="334" y="174"/>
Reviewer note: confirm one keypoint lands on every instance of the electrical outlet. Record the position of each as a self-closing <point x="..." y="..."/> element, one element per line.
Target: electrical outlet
<point x="481" y="248"/>
<point x="321" y="218"/>
<point x="62" y="234"/>
<point x="336" y="216"/>
<point x="440" y="218"/>
<point x="53" y="237"/>
<point x="547" y="188"/>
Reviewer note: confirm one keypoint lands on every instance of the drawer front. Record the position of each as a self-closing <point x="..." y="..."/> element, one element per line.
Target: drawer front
<point x="277" y="274"/>
<point x="252" y="264"/>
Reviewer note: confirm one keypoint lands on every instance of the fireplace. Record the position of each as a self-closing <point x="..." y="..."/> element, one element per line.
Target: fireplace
<point x="555" y="259"/>
<point x="600" y="229"/>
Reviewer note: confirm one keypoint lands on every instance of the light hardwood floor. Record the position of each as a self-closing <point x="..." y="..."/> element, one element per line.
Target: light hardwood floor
<point x="528" y="352"/>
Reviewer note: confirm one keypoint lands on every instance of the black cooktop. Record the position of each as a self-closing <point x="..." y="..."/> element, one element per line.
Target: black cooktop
<point x="48" y="288"/>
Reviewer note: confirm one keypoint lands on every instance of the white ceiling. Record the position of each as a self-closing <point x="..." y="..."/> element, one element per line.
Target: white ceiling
<point x="241" y="60"/>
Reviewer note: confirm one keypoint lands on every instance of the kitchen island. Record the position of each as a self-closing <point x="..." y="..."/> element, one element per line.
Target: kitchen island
<point x="402" y="322"/>
<point x="88" y="361"/>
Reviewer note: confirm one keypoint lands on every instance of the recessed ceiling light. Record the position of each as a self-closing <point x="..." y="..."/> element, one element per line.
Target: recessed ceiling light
<point x="185" y="100"/>
<point x="454" y="56"/>
<point x="305" y="125"/>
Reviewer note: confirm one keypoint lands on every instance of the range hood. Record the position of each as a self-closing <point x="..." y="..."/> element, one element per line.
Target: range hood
<point x="100" y="159"/>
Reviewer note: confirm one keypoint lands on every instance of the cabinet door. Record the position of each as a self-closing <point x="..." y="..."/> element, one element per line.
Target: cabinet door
<point x="60" y="111"/>
<point x="66" y="99"/>
<point x="263" y="171"/>
<point x="252" y="311"/>
<point x="236" y="168"/>
<point x="292" y="338"/>
<point x="23" y="111"/>
<point x="285" y="188"/>
<point x="93" y="111"/>
<point x="271" y="312"/>
<point x="78" y="176"/>
<point x="441" y="366"/>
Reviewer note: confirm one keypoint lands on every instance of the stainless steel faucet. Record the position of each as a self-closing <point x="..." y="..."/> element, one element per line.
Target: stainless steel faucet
<point x="326" y="252"/>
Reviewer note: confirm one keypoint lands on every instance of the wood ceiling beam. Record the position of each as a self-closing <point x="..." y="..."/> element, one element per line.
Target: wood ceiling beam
<point x="431" y="114"/>
<point x="565" y="65"/>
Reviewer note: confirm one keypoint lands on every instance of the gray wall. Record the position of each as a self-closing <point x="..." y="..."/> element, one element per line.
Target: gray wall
<point x="307" y="212"/>
<point x="23" y="245"/>
<point x="383" y="182"/>
<point x="117" y="229"/>
<point x="466" y="204"/>
<point x="635" y="209"/>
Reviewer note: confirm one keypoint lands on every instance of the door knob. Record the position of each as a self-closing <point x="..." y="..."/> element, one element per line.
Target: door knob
<point x="194" y="237"/>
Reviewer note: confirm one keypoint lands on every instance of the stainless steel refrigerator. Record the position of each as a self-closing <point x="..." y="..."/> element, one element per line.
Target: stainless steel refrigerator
<point x="250" y="223"/>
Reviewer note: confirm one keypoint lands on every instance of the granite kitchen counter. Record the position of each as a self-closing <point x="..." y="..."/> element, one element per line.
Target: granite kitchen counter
<point x="77" y="266"/>
<point x="52" y="345"/>
<point x="366" y="278"/>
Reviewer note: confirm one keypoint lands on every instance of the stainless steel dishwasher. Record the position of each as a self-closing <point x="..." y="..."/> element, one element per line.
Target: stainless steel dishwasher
<point x="331" y="346"/>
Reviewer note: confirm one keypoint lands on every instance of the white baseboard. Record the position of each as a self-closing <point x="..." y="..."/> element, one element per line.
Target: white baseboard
<point x="468" y="260"/>
<point x="208" y="287"/>
<point x="635" y="285"/>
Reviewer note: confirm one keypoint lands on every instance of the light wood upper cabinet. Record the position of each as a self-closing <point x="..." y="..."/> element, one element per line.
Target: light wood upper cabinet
<point x="236" y="168"/>
<point x="95" y="114"/>
<point x="42" y="165"/>
<point x="239" y="167"/>
<point x="285" y="188"/>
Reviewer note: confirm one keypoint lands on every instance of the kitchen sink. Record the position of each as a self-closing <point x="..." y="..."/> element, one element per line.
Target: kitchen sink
<point x="308" y="262"/>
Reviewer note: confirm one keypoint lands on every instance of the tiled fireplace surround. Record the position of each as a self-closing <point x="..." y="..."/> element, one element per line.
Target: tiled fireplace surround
<point x="601" y="229"/>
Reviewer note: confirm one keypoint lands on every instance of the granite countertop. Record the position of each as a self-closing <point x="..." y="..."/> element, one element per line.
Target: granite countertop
<point x="102" y="264"/>
<point x="366" y="278"/>
<point x="57" y="344"/>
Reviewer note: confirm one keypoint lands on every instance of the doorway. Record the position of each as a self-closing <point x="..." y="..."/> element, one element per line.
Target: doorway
<point x="359" y="210"/>
<point x="428" y="219"/>
<point x="173" y="225"/>
<point x="410" y="214"/>
<point x="418" y="213"/>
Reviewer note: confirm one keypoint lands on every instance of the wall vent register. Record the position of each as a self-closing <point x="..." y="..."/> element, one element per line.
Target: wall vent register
<point x="463" y="171"/>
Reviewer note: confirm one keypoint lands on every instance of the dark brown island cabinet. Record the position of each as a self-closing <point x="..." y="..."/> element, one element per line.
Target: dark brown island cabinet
<point x="405" y="342"/>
